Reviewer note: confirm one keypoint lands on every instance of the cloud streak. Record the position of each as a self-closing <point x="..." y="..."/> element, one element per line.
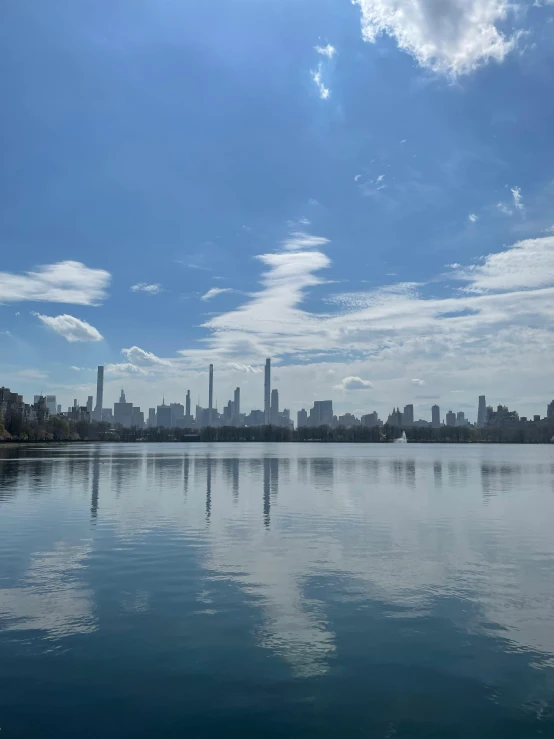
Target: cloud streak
<point x="62" y="282"/>
<point x="143" y="287"/>
<point x="70" y="328"/>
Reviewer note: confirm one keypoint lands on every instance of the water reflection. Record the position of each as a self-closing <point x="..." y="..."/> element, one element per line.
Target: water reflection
<point x="326" y="557"/>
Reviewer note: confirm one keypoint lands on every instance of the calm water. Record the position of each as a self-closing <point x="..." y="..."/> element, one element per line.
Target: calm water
<point x="277" y="591"/>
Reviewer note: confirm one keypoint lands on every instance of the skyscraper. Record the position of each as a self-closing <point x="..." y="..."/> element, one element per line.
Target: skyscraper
<point x="236" y="404"/>
<point x="99" y="393"/>
<point x="482" y="412"/>
<point x="152" y="423"/>
<point x="435" y="417"/>
<point x="450" y="418"/>
<point x="122" y="396"/>
<point x="187" y="405"/>
<point x="302" y="418"/>
<point x="210" y="396"/>
<point x="267" y="393"/>
<point x="274" y="416"/>
<point x="408" y="415"/>
<point x="90" y="401"/>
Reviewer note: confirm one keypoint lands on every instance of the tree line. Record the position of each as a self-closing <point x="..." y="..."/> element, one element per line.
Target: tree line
<point x="57" y="428"/>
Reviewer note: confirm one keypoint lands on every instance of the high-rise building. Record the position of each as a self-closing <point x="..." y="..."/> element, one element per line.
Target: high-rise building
<point x="51" y="404"/>
<point x="461" y="419"/>
<point x="152" y="423"/>
<point x="302" y="418"/>
<point x="408" y="415"/>
<point x="75" y="403"/>
<point x="211" y="396"/>
<point x="549" y="410"/>
<point x="137" y="418"/>
<point x="482" y="412"/>
<point x="177" y="415"/>
<point x="370" y="420"/>
<point x="123" y="412"/>
<point x="99" y="393"/>
<point x="187" y="405"/>
<point x="90" y="401"/>
<point x="322" y="413"/>
<point x="59" y="409"/>
<point x="395" y="418"/>
<point x="122" y="398"/>
<point x="267" y="392"/>
<point x="435" y="417"/>
<point x="236" y="404"/>
<point x="274" y="414"/>
<point x="163" y="415"/>
<point x="450" y="418"/>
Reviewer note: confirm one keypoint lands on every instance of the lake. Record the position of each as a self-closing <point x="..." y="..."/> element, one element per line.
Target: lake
<point x="293" y="590"/>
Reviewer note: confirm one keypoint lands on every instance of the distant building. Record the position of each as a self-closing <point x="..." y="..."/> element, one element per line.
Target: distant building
<point x="408" y="416"/>
<point x="536" y="419"/>
<point x="123" y="412"/>
<point x="274" y="411"/>
<point x="549" y="410"/>
<point x="482" y="412"/>
<point x="255" y="418"/>
<point x="302" y="418"/>
<point x="348" y="420"/>
<point x="90" y="401"/>
<point x="98" y="411"/>
<point x="137" y="418"/>
<point x="187" y="405"/>
<point x="322" y="413"/>
<point x="501" y="417"/>
<point x="152" y="422"/>
<point x="107" y="415"/>
<point x="450" y="418"/>
<point x="435" y="417"/>
<point x="210" y="397"/>
<point x="59" y="409"/>
<point x="177" y="415"/>
<point x="236" y="407"/>
<point x="267" y="392"/>
<point x="50" y="401"/>
<point x="461" y="419"/>
<point x="395" y="418"/>
<point x="163" y="415"/>
<point x="371" y="420"/>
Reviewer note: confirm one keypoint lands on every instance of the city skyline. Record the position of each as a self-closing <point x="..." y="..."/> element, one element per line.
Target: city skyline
<point x="381" y="257"/>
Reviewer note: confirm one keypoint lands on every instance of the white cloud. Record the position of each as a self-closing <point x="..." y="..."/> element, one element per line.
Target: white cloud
<point x="516" y="195"/>
<point x="317" y="77"/>
<point x="452" y="37"/>
<point x="418" y="382"/>
<point x="5" y="333"/>
<point x="354" y="383"/>
<point x="72" y="329"/>
<point x="503" y="208"/>
<point x="143" y="287"/>
<point x="328" y="51"/>
<point x="125" y="369"/>
<point x="140" y="357"/>
<point x="215" y="291"/>
<point x="300" y="240"/>
<point x="63" y="282"/>
<point x="473" y="218"/>
<point x="246" y="368"/>
<point x="33" y="374"/>
<point x="380" y="178"/>
<point x="357" y="177"/>
<point x="525" y="265"/>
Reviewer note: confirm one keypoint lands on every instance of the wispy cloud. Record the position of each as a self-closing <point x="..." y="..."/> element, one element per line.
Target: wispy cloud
<point x="215" y="291"/>
<point x="63" y="282"/>
<point x="473" y="218"/>
<point x="140" y="357"/>
<point x="418" y="382"/>
<point x="143" y="287"/>
<point x="516" y="195"/>
<point x="72" y="329"/>
<point x="503" y="208"/>
<point x="328" y="51"/>
<point x="299" y="240"/>
<point x="465" y="34"/>
<point x="317" y="76"/>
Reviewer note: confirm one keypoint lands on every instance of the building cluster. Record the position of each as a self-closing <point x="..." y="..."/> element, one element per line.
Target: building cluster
<point x="177" y="415"/>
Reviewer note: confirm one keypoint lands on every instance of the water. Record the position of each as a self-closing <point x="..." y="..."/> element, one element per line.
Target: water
<point x="277" y="591"/>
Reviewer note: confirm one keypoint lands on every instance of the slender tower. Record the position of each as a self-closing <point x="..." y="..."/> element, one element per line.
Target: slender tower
<point x="236" y="404"/>
<point x="211" y="396"/>
<point x="99" y="393"/>
<point x="187" y="405"/>
<point x="267" y="393"/>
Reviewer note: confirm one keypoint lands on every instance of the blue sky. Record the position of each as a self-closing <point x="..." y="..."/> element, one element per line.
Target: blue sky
<point x="359" y="190"/>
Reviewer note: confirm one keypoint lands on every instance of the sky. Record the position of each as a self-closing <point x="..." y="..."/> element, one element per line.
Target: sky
<point x="362" y="191"/>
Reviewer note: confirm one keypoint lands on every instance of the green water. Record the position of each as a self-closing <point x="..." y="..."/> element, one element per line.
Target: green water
<point x="277" y="591"/>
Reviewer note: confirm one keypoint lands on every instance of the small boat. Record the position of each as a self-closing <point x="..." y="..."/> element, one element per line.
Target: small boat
<point x="402" y="439"/>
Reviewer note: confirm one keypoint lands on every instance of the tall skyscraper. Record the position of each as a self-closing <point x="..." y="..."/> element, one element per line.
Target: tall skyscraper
<point x="187" y="405"/>
<point x="99" y="393"/>
<point x="267" y="393"/>
<point x="408" y="415"/>
<point x="122" y="396"/>
<point x="211" y="396"/>
<point x="482" y="412"/>
<point x="549" y="410"/>
<point x="152" y="423"/>
<point x="302" y="418"/>
<point x="450" y="418"/>
<point x="322" y="413"/>
<point x="236" y="404"/>
<point x="435" y="417"/>
<point x="274" y="416"/>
